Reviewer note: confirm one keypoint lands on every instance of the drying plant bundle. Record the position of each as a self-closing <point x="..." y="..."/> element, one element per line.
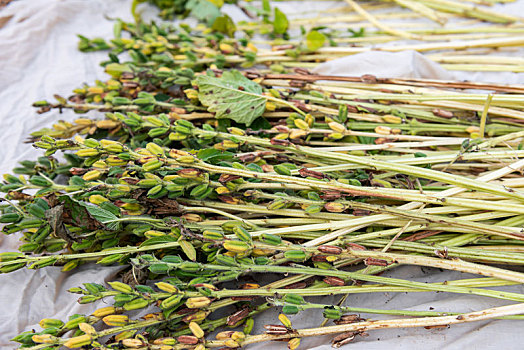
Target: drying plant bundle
<point x="197" y="178"/>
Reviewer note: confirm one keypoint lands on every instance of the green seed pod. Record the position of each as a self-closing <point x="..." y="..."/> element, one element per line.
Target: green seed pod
<point x="185" y="123"/>
<point x="248" y="325"/>
<point x="225" y="260"/>
<point x="11" y="268"/>
<point x="121" y="287"/>
<point x="332" y="313"/>
<point x="199" y="190"/>
<point x="154" y="190"/>
<point x="262" y="260"/>
<point x="155" y="149"/>
<point x="74" y="322"/>
<point x="10" y="218"/>
<point x="110" y="259"/>
<point x="147" y="183"/>
<point x="36" y="210"/>
<point x="118" y="101"/>
<point x="282" y="170"/>
<point x="242" y="234"/>
<point x="174" y="188"/>
<point x="213" y="235"/>
<point x="29" y="247"/>
<point x="294" y="299"/>
<point x="152" y="165"/>
<point x="124" y="298"/>
<point x="40" y="181"/>
<point x="30" y="223"/>
<point x="313" y="209"/>
<point x="87" y="299"/>
<point x="295" y="255"/>
<point x="157" y="132"/>
<point x="171" y="301"/>
<point x="9" y="256"/>
<point x="44" y="263"/>
<point x="270" y="239"/>
<point x="136" y="304"/>
<point x="189" y="266"/>
<point x="159" y="269"/>
<point x="290" y="309"/>
<point x="83" y="245"/>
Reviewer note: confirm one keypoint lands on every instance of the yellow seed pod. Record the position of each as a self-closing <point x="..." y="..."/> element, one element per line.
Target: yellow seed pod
<point x="154" y="233"/>
<point x="284" y="320"/>
<point x="222" y="190"/>
<point x="95" y="90"/>
<point x="97" y="199"/>
<point x="132" y="206"/>
<point x="226" y="48"/>
<point x="83" y="121"/>
<point x="92" y="175"/>
<point x="124" y="335"/>
<point x="97" y="99"/>
<point x="301" y="124"/>
<point x="261" y="252"/>
<point x="295" y="134"/>
<point x="236" y="246"/>
<point x="186" y="159"/>
<point x="192" y="217"/>
<point x="132" y="343"/>
<point x="391" y="119"/>
<point x="383" y="130"/>
<point x="236" y="131"/>
<point x="472" y="129"/>
<point x="100" y="164"/>
<point x="166" y="287"/>
<point x="230" y="343"/>
<point x="238" y="336"/>
<point x="282" y="136"/>
<point x="396" y="131"/>
<point x="336" y="135"/>
<point x="197" y="302"/>
<point x="106" y="124"/>
<point x="155" y="149"/>
<point x="105" y="311"/>
<point x="251" y="47"/>
<point x="224" y="335"/>
<point x="166" y="347"/>
<point x="229" y="144"/>
<point x="43" y="338"/>
<point x="79" y="341"/>
<point x="87" y="328"/>
<point x="197" y="317"/>
<point x="196" y="329"/>
<point x="293" y="343"/>
<point x="191" y="93"/>
<point x="87" y="152"/>
<point x="116" y="320"/>
<point x="331" y="258"/>
<point x="115" y="161"/>
<point x="270" y="106"/>
<point x="337" y="127"/>
<point x="309" y="119"/>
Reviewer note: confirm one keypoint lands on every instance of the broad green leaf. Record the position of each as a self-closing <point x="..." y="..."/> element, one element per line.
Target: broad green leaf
<point x="103" y="216"/>
<point x="203" y="10"/>
<point x="188" y="249"/>
<point x="315" y="40"/>
<point x="280" y="24"/>
<point x="232" y="96"/>
<point x="224" y="24"/>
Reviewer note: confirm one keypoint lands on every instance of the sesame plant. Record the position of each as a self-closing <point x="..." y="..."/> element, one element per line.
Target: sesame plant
<point x="199" y="178"/>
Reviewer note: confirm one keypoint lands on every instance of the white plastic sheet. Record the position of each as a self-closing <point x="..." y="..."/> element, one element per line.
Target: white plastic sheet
<point x="38" y="58"/>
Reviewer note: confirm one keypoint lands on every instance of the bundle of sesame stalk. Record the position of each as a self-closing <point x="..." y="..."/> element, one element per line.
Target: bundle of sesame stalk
<point x="198" y="179"/>
<point x="461" y="35"/>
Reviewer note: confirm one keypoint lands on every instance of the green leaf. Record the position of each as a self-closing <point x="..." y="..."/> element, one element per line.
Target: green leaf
<point x="103" y="216"/>
<point x="188" y="249"/>
<point x="232" y="96"/>
<point x="158" y="240"/>
<point x="280" y="24"/>
<point x="214" y="155"/>
<point x="315" y="40"/>
<point x="203" y="10"/>
<point x="224" y="24"/>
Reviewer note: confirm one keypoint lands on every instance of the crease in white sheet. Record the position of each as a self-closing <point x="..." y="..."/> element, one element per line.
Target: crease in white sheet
<point x="39" y="58"/>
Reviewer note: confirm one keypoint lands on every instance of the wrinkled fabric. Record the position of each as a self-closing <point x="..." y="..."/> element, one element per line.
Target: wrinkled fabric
<point x="39" y="58"/>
